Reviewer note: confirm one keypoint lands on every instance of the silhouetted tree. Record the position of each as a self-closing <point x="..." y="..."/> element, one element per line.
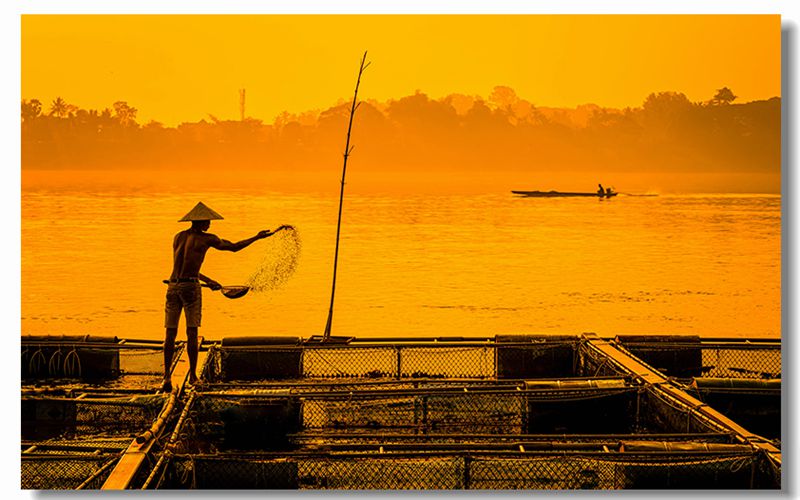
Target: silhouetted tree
<point x="666" y="103"/>
<point x="459" y="102"/>
<point x="125" y="113"/>
<point x="59" y="108"/>
<point x="31" y="109"/>
<point x="503" y="97"/>
<point x="666" y="112"/>
<point x="723" y="96"/>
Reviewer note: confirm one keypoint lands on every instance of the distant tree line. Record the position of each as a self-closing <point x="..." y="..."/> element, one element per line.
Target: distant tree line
<point x="503" y="132"/>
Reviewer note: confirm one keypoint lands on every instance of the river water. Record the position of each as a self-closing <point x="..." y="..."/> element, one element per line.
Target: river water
<point x="411" y="264"/>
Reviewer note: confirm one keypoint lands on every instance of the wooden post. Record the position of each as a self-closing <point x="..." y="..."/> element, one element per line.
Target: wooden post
<point x="347" y="151"/>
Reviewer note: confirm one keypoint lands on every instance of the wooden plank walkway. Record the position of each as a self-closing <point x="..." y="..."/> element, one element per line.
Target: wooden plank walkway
<point x="136" y="453"/>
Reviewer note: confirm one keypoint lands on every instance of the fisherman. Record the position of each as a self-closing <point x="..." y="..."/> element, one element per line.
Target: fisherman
<point x="600" y="190"/>
<point x="189" y="249"/>
<point x="608" y="191"/>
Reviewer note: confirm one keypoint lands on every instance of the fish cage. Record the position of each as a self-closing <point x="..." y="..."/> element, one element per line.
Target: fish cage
<point x="754" y="403"/>
<point x="234" y="420"/>
<point x="532" y="436"/>
<point x="508" y="412"/>
<point x="65" y="464"/>
<point x="740" y="378"/>
<point x="470" y="470"/>
<point x="256" y="359"/>
<point x="83" y="361"/>
<point x="74" y="442"/>
<point x="498" y="364"/>
<point x="236" y="417"/>
<point x="687" y="356"/>
<point x="84" y="400"/>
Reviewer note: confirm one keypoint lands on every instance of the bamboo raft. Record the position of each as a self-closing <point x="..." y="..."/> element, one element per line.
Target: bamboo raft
<point x="510" y="411"/>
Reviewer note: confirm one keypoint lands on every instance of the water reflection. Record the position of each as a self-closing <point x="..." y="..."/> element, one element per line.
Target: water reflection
<point x="417" y="265"/>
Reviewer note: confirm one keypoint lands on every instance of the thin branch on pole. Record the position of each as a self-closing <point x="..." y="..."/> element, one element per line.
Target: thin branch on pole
<point x="347" y="151"/>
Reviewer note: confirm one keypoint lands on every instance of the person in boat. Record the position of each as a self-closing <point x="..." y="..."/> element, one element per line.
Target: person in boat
<point x="183" y="293"/>
<point x="600" y="190"/>
<point x="608" y="191"/>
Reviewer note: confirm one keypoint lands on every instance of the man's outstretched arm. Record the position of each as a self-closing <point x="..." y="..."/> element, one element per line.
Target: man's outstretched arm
<point x="221" y="244"/>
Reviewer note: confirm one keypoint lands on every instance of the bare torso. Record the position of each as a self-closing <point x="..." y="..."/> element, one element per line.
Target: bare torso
<point x="189" y="250"/>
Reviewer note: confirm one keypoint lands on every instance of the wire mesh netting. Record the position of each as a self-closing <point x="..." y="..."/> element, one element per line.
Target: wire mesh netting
<point x="662" y="410"/>
<point x="738" y="362"/>
<point x="67" y="471"/>
<point x="478" y="361"/>
<point x="686" y="358"/>
<point x="44" y="417"/>
<point x="84" y="446"/>
<point x="471" y="471"/>
<point x="74" y="443"/>
<point x="611" y="473"/>
<point x="226" y="421"/>
<point x="500" y="413"/>
<point x="73" y="366"/>
<point x="344" y="362"/>
<point x="453" y="362"/>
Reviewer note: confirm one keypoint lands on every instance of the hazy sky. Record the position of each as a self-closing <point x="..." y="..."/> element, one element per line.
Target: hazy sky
<point x="184" y="67"/>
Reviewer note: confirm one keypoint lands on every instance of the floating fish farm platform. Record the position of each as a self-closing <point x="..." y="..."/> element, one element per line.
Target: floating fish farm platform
<point x="503" y="412"/>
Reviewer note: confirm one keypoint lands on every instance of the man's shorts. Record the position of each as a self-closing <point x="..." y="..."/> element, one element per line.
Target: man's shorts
<point x="187" y="297"/>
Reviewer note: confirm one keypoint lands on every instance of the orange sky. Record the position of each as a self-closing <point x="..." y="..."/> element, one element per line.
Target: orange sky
<point x="184" y="67"/>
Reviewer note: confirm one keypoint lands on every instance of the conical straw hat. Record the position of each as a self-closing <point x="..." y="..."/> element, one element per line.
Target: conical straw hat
<point x="200" y="212"/>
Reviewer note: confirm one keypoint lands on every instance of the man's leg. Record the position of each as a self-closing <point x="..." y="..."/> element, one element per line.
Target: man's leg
<point x="169" y="350"/>
<point x="191" y="347"/>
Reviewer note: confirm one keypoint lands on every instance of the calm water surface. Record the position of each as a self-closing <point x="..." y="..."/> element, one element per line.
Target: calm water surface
<point x="420" y="265"/>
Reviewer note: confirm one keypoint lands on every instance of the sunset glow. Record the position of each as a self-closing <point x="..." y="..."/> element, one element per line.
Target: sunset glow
<point x="182" y="68"/>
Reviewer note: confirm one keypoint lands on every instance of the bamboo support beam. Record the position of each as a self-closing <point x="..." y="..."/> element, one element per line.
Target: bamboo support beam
<point x="136" y="453"/>
<point x="649" y="377"/>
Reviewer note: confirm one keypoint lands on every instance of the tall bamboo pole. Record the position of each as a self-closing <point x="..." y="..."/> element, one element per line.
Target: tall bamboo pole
<point x="347" y="151"/>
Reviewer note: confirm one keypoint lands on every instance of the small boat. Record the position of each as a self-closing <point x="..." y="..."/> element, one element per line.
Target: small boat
<point x="555" y="194"/>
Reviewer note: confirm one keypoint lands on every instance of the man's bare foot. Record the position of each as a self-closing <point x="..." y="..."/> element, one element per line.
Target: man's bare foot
<point x="166" y="386"/>
<point x="192" y="380"/>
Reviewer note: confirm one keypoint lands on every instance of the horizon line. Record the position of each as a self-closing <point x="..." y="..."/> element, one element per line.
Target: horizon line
<point x="344" y="101"/>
